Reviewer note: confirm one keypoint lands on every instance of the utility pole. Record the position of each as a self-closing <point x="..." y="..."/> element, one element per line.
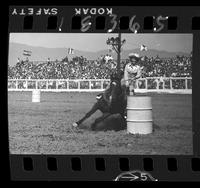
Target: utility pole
<point x="119" y="54"/>
<point x="116" y="44"/>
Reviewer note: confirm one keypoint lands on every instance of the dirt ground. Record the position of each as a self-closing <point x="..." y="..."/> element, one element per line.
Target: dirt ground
<point x="45" y="127"/>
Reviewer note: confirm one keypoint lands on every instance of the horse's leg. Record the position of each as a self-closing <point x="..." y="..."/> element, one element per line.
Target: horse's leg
<point x="94" y="108"/>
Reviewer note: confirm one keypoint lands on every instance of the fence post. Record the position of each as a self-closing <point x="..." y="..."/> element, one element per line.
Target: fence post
<point x="186" y="81"/>
<point x="170" y="83"/>
<point x="17" y="85"/>
<point x="79" y="84"/>
<point x="89" y="84"/>
<point x="102" y="84"/>
<point x="67" y="84"/>
<point x="56" y="84"/>
<point x="146" y="82"/>
<point x="26" y="84"/>
<point x="164" y="84"/>
<point x="157" y="82"/>
<point x="36" y="84"/>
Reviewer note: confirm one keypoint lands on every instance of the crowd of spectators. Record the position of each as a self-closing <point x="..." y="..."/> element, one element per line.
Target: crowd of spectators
<point x="81" y="68"/>
<point x="179" y="66"/>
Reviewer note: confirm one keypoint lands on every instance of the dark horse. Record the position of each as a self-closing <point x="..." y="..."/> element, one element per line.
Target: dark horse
<point x="112" y="104"/>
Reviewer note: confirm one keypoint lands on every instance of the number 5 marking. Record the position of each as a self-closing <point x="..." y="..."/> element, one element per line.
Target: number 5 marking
<point x="143" y="177"/>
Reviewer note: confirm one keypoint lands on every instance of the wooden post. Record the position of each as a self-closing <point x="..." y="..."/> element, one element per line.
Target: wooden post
<point x="78" y="84"/>
<point x="170" y="83"/>
<point x="89" y="84"/>
<point x="157" y="86"/>
<point x="146" y="81"/>
<point x="26" y="84"/>
<point x="101" y="84"/>
<point x="186" y="83"/>
<point x="67" y="84"/>
<point x="36" y="84"/>
<point x="47" y="85"/>
<point x="56" y="84"/>
<point x="17" y="85"/>
<point x="163" y="83"/>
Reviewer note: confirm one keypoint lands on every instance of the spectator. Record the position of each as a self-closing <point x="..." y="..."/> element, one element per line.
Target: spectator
<point x="81" y="68"/>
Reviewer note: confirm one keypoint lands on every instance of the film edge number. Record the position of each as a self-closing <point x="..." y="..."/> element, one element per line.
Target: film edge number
<point x="85" y="24"/>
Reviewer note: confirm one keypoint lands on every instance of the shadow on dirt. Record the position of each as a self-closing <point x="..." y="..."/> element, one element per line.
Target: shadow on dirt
<point x="82" y="127"/>
<point x="156" y="127"/>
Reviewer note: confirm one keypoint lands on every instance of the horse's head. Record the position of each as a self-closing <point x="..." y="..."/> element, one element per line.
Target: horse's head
<point x="117" y="94"/>
<point x="117" y="98"/>
<point x="115" y="85"/>
<point x="116" y="89"/>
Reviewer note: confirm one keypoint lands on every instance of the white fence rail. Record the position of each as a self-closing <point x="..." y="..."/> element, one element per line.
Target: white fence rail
<point x="149" y="84"/>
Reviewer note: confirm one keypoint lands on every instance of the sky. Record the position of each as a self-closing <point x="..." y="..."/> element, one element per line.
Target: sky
<point x="95" y="42"/>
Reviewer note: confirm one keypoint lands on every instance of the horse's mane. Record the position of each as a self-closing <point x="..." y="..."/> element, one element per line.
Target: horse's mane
<point x="117" y="103"/>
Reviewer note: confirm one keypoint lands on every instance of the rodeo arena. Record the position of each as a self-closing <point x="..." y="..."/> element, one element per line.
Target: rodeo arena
<point x="139" y="105"/>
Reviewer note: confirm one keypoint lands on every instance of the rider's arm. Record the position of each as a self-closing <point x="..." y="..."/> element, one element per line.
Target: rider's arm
<point x="139" y="73"/>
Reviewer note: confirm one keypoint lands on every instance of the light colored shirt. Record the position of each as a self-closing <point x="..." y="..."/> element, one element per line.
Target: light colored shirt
<point x="132" y="72"/>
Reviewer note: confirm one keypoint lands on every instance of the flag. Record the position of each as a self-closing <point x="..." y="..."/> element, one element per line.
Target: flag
<point x="27" y="53"/>
<point x="143" y="48"/>
<point x="70" y="51"/>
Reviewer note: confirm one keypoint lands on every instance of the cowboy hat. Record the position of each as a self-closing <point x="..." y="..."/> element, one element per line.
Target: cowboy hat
<point x="134" y="55"/>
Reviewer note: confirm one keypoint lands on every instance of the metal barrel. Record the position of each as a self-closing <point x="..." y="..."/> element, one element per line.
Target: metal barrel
<point x="36" y="95"/>
<point x="139" y="115"/>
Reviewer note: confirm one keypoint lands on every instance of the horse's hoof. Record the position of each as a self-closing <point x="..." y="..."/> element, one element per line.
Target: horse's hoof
<point x="75" y="125"/>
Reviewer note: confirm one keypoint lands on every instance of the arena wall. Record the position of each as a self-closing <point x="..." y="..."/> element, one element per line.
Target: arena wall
<point x="143" y="85"/>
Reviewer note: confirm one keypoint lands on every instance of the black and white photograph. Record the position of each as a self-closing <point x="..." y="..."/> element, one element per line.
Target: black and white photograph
<point x="100" y="93"/>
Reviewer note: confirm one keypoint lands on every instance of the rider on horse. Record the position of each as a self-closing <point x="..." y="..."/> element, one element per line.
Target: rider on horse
<point x="105" y="102"/>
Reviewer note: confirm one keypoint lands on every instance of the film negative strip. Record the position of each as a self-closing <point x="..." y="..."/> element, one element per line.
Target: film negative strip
<point x="104" y="93"/>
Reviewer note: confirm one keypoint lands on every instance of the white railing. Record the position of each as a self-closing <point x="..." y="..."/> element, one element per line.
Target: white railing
<point x="149" y="84"/>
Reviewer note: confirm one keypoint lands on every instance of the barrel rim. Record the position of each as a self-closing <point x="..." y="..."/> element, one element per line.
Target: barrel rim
<point x="128" y="108"/>
<point x="139" y="121"/>
<point x="139" y="96"/>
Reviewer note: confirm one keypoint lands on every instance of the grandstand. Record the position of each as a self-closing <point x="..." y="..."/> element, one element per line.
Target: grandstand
<point x="80" y="74"/>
